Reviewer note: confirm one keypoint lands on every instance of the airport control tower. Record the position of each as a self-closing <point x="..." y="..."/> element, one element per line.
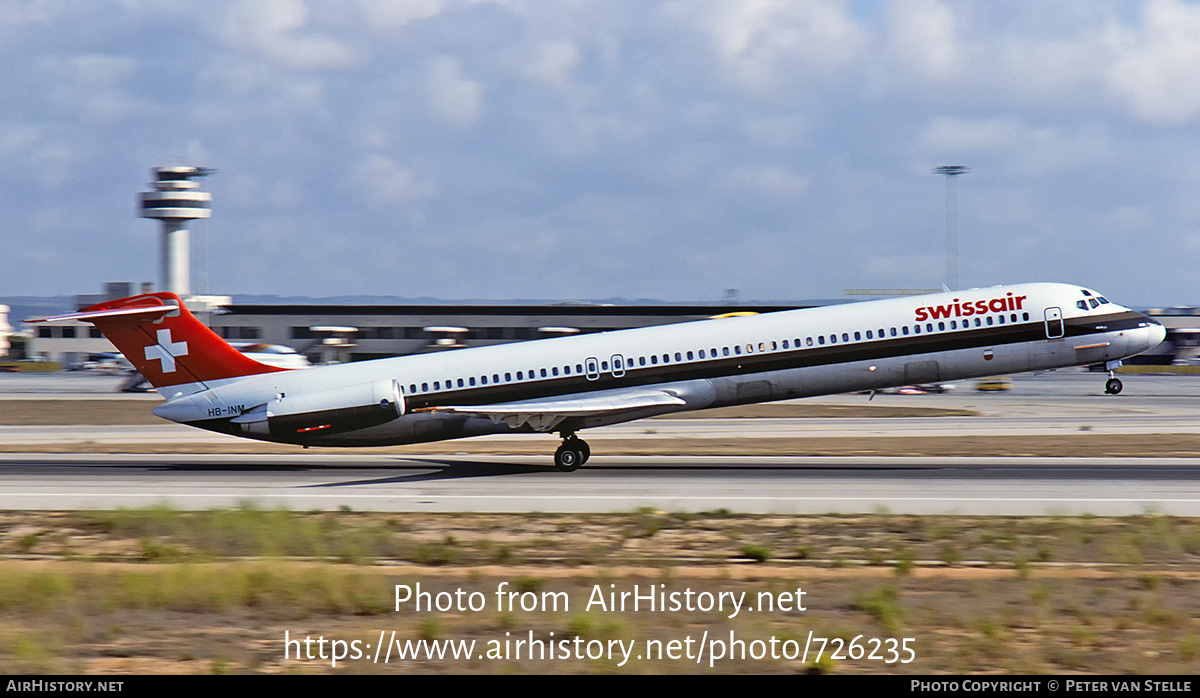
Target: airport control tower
<point x="175" y="201"/>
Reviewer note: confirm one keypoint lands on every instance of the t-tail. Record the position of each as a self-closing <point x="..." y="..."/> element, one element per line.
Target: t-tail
<point x="172" y="349"/>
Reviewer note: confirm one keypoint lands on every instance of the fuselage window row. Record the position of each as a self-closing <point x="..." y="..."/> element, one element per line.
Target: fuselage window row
<point x="750" y="348"/>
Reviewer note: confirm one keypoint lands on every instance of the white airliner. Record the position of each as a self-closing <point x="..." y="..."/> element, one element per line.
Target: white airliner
<point x="571" y="383"/>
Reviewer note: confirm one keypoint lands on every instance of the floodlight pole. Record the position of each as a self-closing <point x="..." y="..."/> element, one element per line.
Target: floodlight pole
<point x="950" y="172"/>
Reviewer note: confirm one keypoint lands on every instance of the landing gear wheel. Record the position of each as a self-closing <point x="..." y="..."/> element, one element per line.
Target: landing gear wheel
<point x="573" y="453"/>
<point x="567" y="459"/>
<point x="1113" y="386"/>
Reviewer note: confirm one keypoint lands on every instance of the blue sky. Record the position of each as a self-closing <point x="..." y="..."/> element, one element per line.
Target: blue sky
<point x="593" y="149"/>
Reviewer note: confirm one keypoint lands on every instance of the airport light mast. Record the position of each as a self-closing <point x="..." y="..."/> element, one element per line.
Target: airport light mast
<point x="175" y="201"/>
<point x="951" y="172"/>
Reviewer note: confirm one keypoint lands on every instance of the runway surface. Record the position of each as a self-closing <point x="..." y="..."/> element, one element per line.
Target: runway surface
<point x="1048" y="404"/>
<point x="784" y="485"/>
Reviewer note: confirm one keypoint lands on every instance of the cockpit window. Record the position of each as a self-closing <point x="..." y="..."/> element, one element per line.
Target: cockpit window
<point x="1093" y="302"/>
<point x="1103" y="300"/>
<point x="1082" y="305"/>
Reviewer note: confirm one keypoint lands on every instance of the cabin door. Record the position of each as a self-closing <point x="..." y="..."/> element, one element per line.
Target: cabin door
<point x="1054" y="323"/>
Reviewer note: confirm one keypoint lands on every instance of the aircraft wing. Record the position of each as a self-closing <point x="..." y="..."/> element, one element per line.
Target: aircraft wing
<point x="545" y="415"/>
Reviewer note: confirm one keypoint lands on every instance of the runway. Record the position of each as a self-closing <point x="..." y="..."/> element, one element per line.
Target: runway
<point x="1043" y="405"/>
<point x="762" y="485"/>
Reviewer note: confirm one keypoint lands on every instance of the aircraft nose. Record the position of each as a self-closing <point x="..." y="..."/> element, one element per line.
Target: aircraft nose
<point x="1155" y="333"/>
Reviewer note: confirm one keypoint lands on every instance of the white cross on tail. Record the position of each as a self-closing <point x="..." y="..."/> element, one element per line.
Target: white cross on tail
<point x="166" y="351"/>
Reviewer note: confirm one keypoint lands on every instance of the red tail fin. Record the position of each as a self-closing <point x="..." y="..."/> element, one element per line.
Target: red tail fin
<point x="165" y="342"/>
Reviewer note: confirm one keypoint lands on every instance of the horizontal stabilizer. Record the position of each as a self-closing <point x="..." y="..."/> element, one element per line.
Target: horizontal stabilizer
<point x="88" y="316"/>
<point x="545" y="415"/>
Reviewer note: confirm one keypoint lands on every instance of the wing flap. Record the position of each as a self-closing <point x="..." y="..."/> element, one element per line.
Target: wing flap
<point x="545" y="415"/>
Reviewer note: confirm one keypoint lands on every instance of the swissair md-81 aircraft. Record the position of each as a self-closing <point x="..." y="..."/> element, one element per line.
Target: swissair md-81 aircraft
<point x="571" y="383"/>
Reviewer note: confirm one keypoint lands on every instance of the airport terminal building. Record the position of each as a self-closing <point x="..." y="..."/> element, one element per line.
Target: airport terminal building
<point x="342" y="333"/>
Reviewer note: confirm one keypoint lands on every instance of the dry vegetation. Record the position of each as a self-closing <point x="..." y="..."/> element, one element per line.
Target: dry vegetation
<point x="165" y="591"/>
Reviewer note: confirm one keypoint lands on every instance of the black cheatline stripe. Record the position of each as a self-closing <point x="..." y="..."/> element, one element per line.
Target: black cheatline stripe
<point x="807" y="357"/>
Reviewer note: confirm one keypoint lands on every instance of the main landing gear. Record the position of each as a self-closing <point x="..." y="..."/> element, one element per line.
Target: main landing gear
<point x="573" y="453"/>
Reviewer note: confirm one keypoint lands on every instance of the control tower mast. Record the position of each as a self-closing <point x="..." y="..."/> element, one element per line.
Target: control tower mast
<point x="175" y="201"/>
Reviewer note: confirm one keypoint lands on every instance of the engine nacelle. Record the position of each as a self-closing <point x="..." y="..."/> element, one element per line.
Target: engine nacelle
<point x="297" y="417"/>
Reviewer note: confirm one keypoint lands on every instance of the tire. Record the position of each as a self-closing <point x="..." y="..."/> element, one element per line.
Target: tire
<point x="568" y="458"/>
<point x="1113" y="386"/>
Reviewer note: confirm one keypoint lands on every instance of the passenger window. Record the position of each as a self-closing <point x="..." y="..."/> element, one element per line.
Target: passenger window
<point x="749" y="348"/>
<point x="483" y="380"/>
<point x="737" y="349"/>
<point x="870" y="335"/>
<point x="520" y="375"/>
<point x="725" y="351"/>
<point x="845" y="336"/>
<point x="808" y="341"/>
<point x="654" y="359"/>
<point x="412" y="389"/>
<point x="894" y="332"/>
<point x="833" y="339"/>
<point x="916" y="329"/>
<point x="543" y="373"/>
<point x="702" y="353"/>
<point x="1000" y="318"/>
<point x="471" y="380"/>
<point x="437" y="385"/>
<point x="507" y="377"/>
<point x="689" y="355"/>
<point x="666" y="358"/>
<point x="904" y="330"/>
<point x="678" y="356"/>
<point x="929" y="327"/>
<point x="941" y="327"/>
<point x="554" y="370"/>
<point x="821" y="340"/>
<point x="990" y="321"/>
<point x="858" y="336"/>
<point x="785" y="344"/>
<point x="762" y="346"/>
<point x="460" y="382"/>
<point x="579" y="368"/>
<point x="424" y="387"/>
<point x="1025" y="316"/>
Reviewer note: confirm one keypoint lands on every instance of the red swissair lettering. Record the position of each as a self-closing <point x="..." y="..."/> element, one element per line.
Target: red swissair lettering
<point x="963" y="309"/>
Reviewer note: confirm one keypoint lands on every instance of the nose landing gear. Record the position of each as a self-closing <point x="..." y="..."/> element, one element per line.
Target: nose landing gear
<point x="1113" y="385"/>
<point x="572" y="454"/>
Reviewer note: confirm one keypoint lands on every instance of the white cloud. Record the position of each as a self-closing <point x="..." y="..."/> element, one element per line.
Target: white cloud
<point x="1023" y="150"/>
<point x="923" y="36"/>
<point x="384" y="182"/>
<point x="552" y="62"/>
<point x="765" y="42"/>
<point x="452" y="96"/>
<point x="775" y="182"/>
<point x="391" y="14"/>
<point x="1156" y="65"/>
<point x="273" y="28"/>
